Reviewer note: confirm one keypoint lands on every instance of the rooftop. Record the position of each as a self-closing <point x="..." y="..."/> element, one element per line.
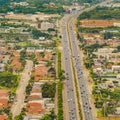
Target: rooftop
<point x="35" y="108"/>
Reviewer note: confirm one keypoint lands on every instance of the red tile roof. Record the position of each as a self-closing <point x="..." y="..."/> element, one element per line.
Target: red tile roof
<point x="34" y="108"/>
<point x="4" y="93"/>
<point x="34" y="97"/>
<point x="3" y="103"/>
<point x="47" y="56"/>
<point x="35" y="91"/>
<point x="16" y="64"/>
<point x="3" y="117"/>
<point x="40" y="72"/>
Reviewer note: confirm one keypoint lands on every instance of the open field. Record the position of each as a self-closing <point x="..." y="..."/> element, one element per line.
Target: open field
<point x="109" y="118"/>
<point x="99" y="23"/>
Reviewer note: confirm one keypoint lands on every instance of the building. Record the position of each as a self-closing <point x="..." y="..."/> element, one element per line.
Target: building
<point x="117" y="111"/>
<point x="46" y="25"/>
<point x="2" y="67"/>
<point x="116" y="68"/>
<point x="3" y="117"/>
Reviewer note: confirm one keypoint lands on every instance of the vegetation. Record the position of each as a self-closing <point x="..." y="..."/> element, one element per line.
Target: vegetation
<point x="60" y="71"/>
<point x="37" y="33"/>
<point x="98" y="30"/>
<point x="21" y="115"/>
<point x="8" y="80"/>
<point x="29" y="86"/>
<point x="34" y="6"/>
<point x="101" y="13"/>
<point x="22" y="57"/>
<point x="48" y="90"/>
<point x="50" y="116"/>
<point x="60" y="101"/>
<point x="38" y="6"/>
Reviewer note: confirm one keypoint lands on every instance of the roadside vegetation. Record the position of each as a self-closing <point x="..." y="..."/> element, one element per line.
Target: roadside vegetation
<point x="60" y="71"/>
<point x="50" y="116"/>
<point x="104" y="13"/>
<point x="60" y="101"/>
<point x="29" y="86"/>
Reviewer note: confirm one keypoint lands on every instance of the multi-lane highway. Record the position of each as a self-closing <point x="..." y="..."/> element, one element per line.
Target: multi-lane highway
<point x="72" y="58"/>
<point x="72" y="110"/>
<point x="71" y="53"/>
<point x="85" y="98"/>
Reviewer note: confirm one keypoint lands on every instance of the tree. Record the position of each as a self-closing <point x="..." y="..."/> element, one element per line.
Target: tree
<point x="46" y="117"/>
<point x="19" y="117"/>
<point x="50" y="116"/>
<point x="8" y="80"/>
<point x="108" y="35"/>
<point x="48" y="90"/>
<point x="42" y="54"/>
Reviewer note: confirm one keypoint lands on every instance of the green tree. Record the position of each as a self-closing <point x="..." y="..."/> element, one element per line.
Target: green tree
<point x="48" y="90"/>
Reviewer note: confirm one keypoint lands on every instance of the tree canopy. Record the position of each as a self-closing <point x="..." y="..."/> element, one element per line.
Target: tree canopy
<point x="8" y="80"/>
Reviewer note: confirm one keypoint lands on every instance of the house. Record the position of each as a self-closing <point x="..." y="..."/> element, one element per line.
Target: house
<point x="2" y="67"/>
<point x="49" y="104"/>
<point x="40" y="72"/>
<point x="30" y="50"/>
<point x="4" y="94"/>
<point x="116" y="68"/>
<point x="15" y="63"/>
<point x="36" y="87"/>
<point x="21" y="3"/>
<point x="35" y="95"/>
<point x="46" y="56"/>
<point x="98" y="70"/>
<point x="117" y="111"/>
<point x="104" y="52"/>
<point x="118" y="76"/>
<point x="3" y="117"/>
<point x="32" y="117"/>
<point x="4" y="103"/>
<point x="46" y="25"/>
<point x="35" y="108"/>
<point x="41" y="38"/>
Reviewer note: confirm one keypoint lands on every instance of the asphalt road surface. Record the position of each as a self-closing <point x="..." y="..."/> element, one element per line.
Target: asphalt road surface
<point x="68" y="73"/>
<point x="69" y="41"/>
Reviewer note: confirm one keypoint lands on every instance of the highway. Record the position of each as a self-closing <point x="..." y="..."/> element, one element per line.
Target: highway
<point x="72" y="55"/>
<point x="85" y="98"/>
<point x="72" y="114"/>
<point x="69" y="41"/>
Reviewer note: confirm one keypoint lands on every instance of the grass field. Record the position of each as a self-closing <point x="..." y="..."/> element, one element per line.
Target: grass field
<point x="22" y="44"/>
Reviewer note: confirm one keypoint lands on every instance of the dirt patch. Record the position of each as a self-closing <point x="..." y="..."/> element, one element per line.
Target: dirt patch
<point x="47" y="56"/>
<point x="98" y="23"/>
<point x="40" y="72"/>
